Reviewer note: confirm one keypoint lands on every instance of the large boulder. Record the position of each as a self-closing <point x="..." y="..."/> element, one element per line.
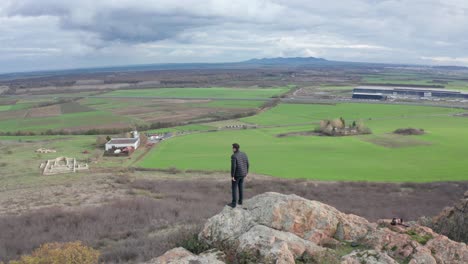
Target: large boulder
<point x="453" y="221"/>
<point x="415" y="244"/>
<point x="283" y="229"/>
<point x="182" y="256"/>
<point x="310" y="220"/>
<point x="368" y="257"/>
<point x="274" y="246"/>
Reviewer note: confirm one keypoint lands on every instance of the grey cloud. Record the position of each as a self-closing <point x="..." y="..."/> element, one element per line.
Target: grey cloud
<point x="136" y="21"/>
<point x="90" y="32"/>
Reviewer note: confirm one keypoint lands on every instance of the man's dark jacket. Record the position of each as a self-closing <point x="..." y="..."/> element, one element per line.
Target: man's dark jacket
<point x="239" y="164"/>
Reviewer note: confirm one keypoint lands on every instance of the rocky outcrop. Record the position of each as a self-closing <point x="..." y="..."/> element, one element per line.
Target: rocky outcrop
<point x="453" y="221"/>
<point x="281" y="229"/>
<point x="182" y="256"/>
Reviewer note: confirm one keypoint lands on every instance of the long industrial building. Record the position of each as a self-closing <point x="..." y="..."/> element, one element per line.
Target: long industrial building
<point x="410" y="92"/>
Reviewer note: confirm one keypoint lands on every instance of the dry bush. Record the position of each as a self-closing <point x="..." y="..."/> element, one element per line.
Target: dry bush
<point x="101" y="141"/>
<point x="124" y="231"/>
<point x="61" y="253"/>
<point x="168" y="212"/>
<point x="338" y="123"/>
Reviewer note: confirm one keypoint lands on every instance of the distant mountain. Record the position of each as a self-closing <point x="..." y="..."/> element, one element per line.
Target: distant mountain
<point x="451" y="68"/>
<point x="278" y="62"/>
<point x="253" y="63"/>
<point x="285" y="61"/>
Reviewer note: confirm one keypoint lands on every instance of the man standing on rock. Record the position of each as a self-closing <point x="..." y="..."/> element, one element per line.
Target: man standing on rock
<point x="239" y="170"/>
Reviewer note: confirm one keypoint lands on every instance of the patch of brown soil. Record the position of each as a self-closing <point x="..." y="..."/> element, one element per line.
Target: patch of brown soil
<point x="303" y="133"/>
<point x="409" y="131"/>
<point x="158" y="102"/>
<point x="132" y="110"/>
<point x="176" y="117"/>
<point x="175" y="114"/>
<point x="103" y="126"/>
<point x="46" y="111"/>
<point x="395" y="141"/>
<point x="8" y="101"/>
<point x="17" y="114"/>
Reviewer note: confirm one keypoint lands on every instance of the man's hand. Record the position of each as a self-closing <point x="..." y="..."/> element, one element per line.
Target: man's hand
<point x="233" y="179"/>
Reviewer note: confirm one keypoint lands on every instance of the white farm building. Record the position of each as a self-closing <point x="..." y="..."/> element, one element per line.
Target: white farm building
<point x="123" y="143"/>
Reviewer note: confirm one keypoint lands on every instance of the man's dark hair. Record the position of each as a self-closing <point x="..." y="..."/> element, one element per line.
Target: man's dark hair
<point x="236" y="146"/>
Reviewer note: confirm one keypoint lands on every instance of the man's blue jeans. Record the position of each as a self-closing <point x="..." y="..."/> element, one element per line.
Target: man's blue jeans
<point x="237" y="185"/>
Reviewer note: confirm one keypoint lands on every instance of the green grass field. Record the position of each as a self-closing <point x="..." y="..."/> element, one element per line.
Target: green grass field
<point x="16" y="106"/>
<point x="306" y="113"/>
<point x="20" y="163"/>
<point x="213" y="92"/>
<point x="185" y="128"/>
<point x="72" y="120"/>
<point x="436" y="156"/>
<point x="5" y="107"/>
<point x="107" y="104"/>
<point x="416" y="79"/>
<point x="229" y="104"/>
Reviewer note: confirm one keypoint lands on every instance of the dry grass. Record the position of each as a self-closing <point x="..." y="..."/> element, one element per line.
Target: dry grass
<point x="155" y="214"/>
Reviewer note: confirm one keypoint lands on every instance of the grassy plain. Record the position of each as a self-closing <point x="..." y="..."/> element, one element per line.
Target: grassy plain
<point x="417" y="79"/>
<point x="230" y="104"/>
<point x="436" y="156"/>
<point x="213" y="92"/>
<point x="88" y="113"/>
<point x="20" y="163"/>
<point x="306" y="113"/>
<point x="185" y="128"/>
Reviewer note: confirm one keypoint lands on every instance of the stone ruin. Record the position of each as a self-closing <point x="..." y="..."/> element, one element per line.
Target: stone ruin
<point x="44" y="150"/>
<point x="62" y="165"/>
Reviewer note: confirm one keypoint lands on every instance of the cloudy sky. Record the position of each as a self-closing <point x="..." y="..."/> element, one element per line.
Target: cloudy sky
<point x="58" y="34"/>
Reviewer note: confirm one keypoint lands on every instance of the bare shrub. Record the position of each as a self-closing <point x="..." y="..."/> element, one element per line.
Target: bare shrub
<point x="61" y="253"/>
<point x="123" y="179"/>
<point x="143" y="227"/>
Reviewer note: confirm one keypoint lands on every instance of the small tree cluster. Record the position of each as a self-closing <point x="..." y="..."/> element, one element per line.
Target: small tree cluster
<point x="337" y="127"/>
<point x="102" y="140"/>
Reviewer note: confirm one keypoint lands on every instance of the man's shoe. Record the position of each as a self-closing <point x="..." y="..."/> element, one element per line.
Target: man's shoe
<point x="239" y="203"/>
<point x="233" y="205"/>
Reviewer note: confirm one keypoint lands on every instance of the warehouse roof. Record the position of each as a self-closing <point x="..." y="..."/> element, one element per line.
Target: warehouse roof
<point x="399" y="88"/>
<point x="123" y="141"/>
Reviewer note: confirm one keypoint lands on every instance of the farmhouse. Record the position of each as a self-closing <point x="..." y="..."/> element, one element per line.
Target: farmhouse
<point x="401" y="91"/>
<point x="121" y="143"/>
